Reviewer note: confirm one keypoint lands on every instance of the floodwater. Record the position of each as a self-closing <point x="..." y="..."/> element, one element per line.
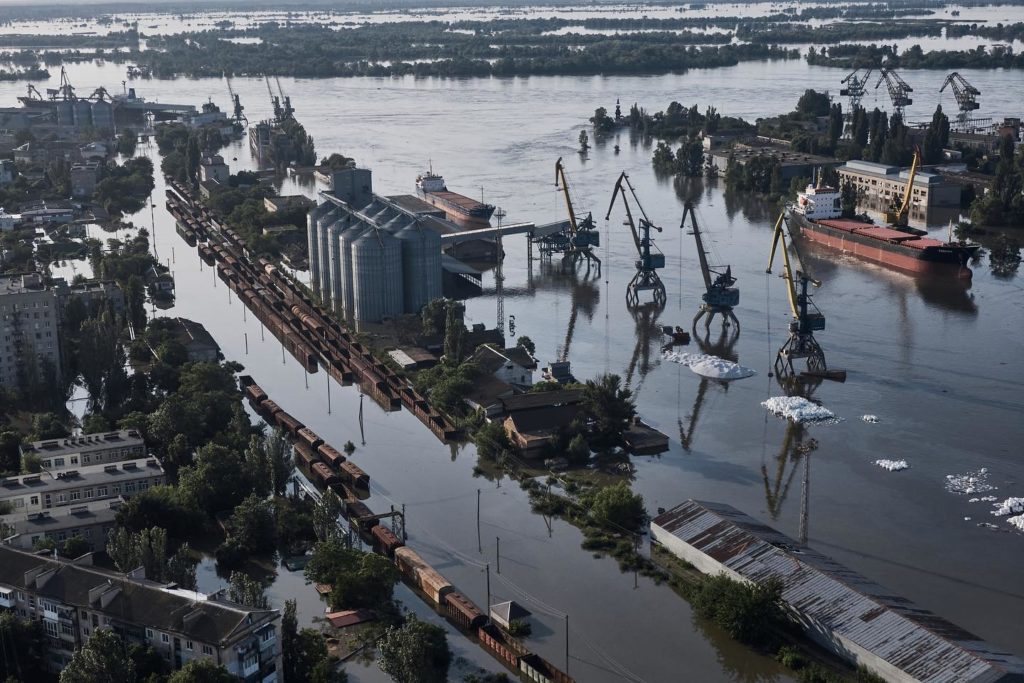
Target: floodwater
<point x="939" y="364"/>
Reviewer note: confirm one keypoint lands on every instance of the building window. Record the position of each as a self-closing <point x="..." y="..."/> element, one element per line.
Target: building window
<point x="188" y="645"/>
<point x="76" y="495"/>
<point x="34" y="500"/>
<point x="51" y="628"/>
<point x="88" y="493"/>
<point x="101" y="491"/>
<point x="207" y="650"/>
<point x="149" y="633"/>
<point x="164" y="638"/>
<point x="62" y="497"/>
<point x="58" y="462"/>
<point x="65" y="628"/>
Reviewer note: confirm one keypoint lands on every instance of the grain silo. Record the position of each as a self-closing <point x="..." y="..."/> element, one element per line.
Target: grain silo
<point x="314" y="221"/>
<point x="334" y="245"/>
<point x="346" y="304"/>
<point x="66" y="114"/>
<point x="83" y="113"/>
<point x="421" y="266"/>
<point x="103" y="115"/>
<point x="377" y="276"/>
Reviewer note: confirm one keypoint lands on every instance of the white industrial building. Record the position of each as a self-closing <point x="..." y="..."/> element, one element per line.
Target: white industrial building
<point x="370" y="257"/>
<point x="842" y="611"/>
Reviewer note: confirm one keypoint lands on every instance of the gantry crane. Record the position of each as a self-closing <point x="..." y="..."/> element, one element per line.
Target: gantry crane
<point x="719" y="294"/>
<point x="287" y="110"/>
<point x="897" y="216"/>
<point x="33" y="91"/>
<point x="966" y="96"/>
<point x="650" y="259"/>
<point x="856" y="85"/>
<point x="807" y="319"/>
<point x="583" y="236"/>
<point x="274" y="100"/>
<point x="898" y="89"/>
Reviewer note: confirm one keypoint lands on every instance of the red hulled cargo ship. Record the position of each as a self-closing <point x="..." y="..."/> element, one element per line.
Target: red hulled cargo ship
<point x="817" y="216"/>
<point x="431" y="188"/>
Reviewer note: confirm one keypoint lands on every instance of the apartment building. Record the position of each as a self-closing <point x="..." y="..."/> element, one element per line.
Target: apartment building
<point x="73" y="599"/>
<point x="74" y="452"/>
<point x="34" y="492"/>
<point x="29" y="328"/>
<point x="90" y="521"/>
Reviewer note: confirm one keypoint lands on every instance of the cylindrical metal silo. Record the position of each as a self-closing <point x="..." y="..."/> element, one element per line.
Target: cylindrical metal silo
<point x="421" y="266"/>
<point x="83" y="113"/>
<point x="377" y="276"/>
<point x="350" y="235"/>
<point x="66" y="113"/>
<point x="334" y="234"/>
<point x="103" y="115"/>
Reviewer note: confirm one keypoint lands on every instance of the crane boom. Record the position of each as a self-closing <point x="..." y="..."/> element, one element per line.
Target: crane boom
<point x="899" y="217"/>
<point x="560" y="181"/>
<point x="646" y="277"/>
<point x="779" y="237"/>
<point x="705" y="269"/>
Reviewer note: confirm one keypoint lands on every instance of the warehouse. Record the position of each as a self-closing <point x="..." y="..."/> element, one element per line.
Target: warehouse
<point x="883" y="185"/>
<point x="841" y="610"/>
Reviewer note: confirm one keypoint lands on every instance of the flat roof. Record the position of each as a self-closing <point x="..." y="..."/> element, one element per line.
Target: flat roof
<point x="86" y="443"/>
<point x="113" y="473"/>
<point x="886" y="172"/>
<point x="65" y="517"/>
<point x="923" y="645"/>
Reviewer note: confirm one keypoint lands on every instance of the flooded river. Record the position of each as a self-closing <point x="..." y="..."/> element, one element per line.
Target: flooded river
<point x="940" y="365"/>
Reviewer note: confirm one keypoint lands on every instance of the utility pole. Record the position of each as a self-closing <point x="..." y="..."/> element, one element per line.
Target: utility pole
<point x="567" y="643"/>
<point x="479" y="545"/>
<point x="499" y="277"/>
<point x="497" y="551"/>
<point x="488" y="591"/>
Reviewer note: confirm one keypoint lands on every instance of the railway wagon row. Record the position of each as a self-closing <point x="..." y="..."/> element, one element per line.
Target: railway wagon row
<point x="344" y="358"/>
<point x="331" y="470"/>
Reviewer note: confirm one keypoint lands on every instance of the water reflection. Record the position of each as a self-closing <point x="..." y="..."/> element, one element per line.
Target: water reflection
<point x="648" y="334"/>
<point x="723" y="347"/>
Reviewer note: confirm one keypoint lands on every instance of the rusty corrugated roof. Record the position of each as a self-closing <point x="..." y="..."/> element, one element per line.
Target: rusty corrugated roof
<point x="916" y="641"/>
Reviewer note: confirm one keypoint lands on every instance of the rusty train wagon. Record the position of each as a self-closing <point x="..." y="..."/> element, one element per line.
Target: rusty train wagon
<point x="352" y="475"/>
<point x="309" y="438"/>
<point x="307" y="456"/>
<point x="422" y="575"/>
<point x="268" y="409"/>
<point x="385" y="541"/>
<point x="288" y="423"/>
<point x="330" y="455"/>
<point x="323" y="474"/>
<point x="463" y="611"/>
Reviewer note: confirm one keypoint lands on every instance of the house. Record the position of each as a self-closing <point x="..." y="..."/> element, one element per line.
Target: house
<point x="101" y="448"/>
<point x="413" y="358"/>
<point x="514" y="366"/>
<point x="159" y="281"/>
<point x="505" y="613"/>
<point x="73" y="599"/>
<point x="530" y="430"/>
<point x="36" y="492"/>
<point x="199" y="343"/>
<point x="94" y="151"/>
<point x="208" y="188"/>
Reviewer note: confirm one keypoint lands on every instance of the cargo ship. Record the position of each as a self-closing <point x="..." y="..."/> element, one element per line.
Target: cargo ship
<point x="431" y="188"/>
<point x="817" y="215"/>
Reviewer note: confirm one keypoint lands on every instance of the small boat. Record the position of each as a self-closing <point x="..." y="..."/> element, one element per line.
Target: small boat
<point x="678" y="335"/>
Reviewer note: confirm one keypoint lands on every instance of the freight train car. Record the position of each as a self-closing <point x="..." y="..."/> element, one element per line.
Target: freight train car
<point x="322" y="474"/>
<point x="288" y="423"/>
<point x="463" y="611"/>
<point x="330" y="455"/>
<point x="422" y="575"/>
<point x="308" y="457"/>
<point x="309" y="438"/>
<point x="385" y="541"/>
<point x="352" y="475"/>
<point x="269" y="410"/>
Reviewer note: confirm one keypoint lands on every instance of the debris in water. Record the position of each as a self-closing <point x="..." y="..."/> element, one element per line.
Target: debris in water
<point x="967" y="519"/>
<point x="1017" y="522"/>
<point x="870" y="419"/>
<point x="799" y="409"/>
<point x="983" y="499"/>
<point x="1010" y="506"/>
<point x="988" y="525"/>
<point x="969" y="482"/>
<point x="710" y="366"/>
<point x="892" y="465"/>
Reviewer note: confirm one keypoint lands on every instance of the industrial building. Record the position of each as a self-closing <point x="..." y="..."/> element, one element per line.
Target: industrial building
<point x="842" y="611"/>
<point x="73" y="599"/>
<point x="370" y="258"/>
<point x="88" y="449"/>
<point x="791" y="164"/>
<point x="881" y="184"/>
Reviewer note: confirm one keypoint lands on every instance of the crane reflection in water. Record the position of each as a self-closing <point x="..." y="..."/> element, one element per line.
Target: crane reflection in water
<point x="722" y="345"/>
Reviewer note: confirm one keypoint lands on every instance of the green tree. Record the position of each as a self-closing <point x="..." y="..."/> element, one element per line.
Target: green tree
<point x="252" y="525"/>
<point x="48" y="426"/>
<point x="76" y="546"/>
<point x="269" y="458"/>
<point x="359" y="579"/>
<point x="126" y="143"/>
<point x="492" y="442"/>
<point x="750" y="613"/>
<point x="454" y="334"/>
<point x="10" y="452"/>
<point x="325" y="516"/>
<point x="416" y="652"/>
<point x="935" y="138"/>
<point x="618" y="506"/>
<point x="103" y="659"/>
<point x="813" y="103"/>
<point x="246" y="590"/>
<point x="577" y="452"/>
<point x="146" y="548"/>
<point x="584" y="141"/>
<point x="26" y="638"/>
<point x="305" y="652"/>
<point x="202" y="671"/>
<point x="527" y="344"/>
<point x="160" y="506"/>
<point x="610" y="406"/>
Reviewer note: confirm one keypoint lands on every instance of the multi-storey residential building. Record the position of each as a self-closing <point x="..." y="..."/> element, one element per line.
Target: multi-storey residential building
<point x="29" y="329"/>
<point x="75" y="452"/>
<point x="883" y="184"/>
<point x="35" y="492"/>
<point x="74" y="599"/>
<point x="94" y="294"/>
<point x="90" y="521"/>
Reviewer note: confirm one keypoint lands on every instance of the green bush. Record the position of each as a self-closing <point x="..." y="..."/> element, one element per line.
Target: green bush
<point x="750" y="613"/>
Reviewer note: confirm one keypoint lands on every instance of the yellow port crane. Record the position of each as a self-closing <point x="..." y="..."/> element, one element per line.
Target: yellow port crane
<point x="583" y="237"/>
<point x="807" y="319"/>
<point x="897" y="216"/>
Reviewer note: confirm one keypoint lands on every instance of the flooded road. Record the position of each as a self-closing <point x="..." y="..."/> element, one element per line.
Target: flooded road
<point x="940" y="366"/>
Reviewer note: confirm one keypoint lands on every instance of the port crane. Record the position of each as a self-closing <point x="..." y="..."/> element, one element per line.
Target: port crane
<point x="275" y="101"/>
<point x="238" y="116"/>
<point x="856" y="85"/>
<point x="287" y="110"/>
<point x="897" y="216"/>
<point x="33" y="93"/>
<point x="898" y="89"/>
<point x="650" y="259"/>
<point x="583" y="236"/>
<point x="807" y="319"/>
<point x="719" y="296"/>
<point x="966" y="96"/>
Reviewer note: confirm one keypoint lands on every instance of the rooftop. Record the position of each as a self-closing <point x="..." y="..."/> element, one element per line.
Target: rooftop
<point x="133" y="600"/>
<point x="192" y="334"/>
<point x="115" y="473"/>
<point x="19" y="284"/>
<point x="64" y="517"/>
<point x="923" y="645"/>
<point x="886" y="172"/>
<point x="97" y="441"/>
